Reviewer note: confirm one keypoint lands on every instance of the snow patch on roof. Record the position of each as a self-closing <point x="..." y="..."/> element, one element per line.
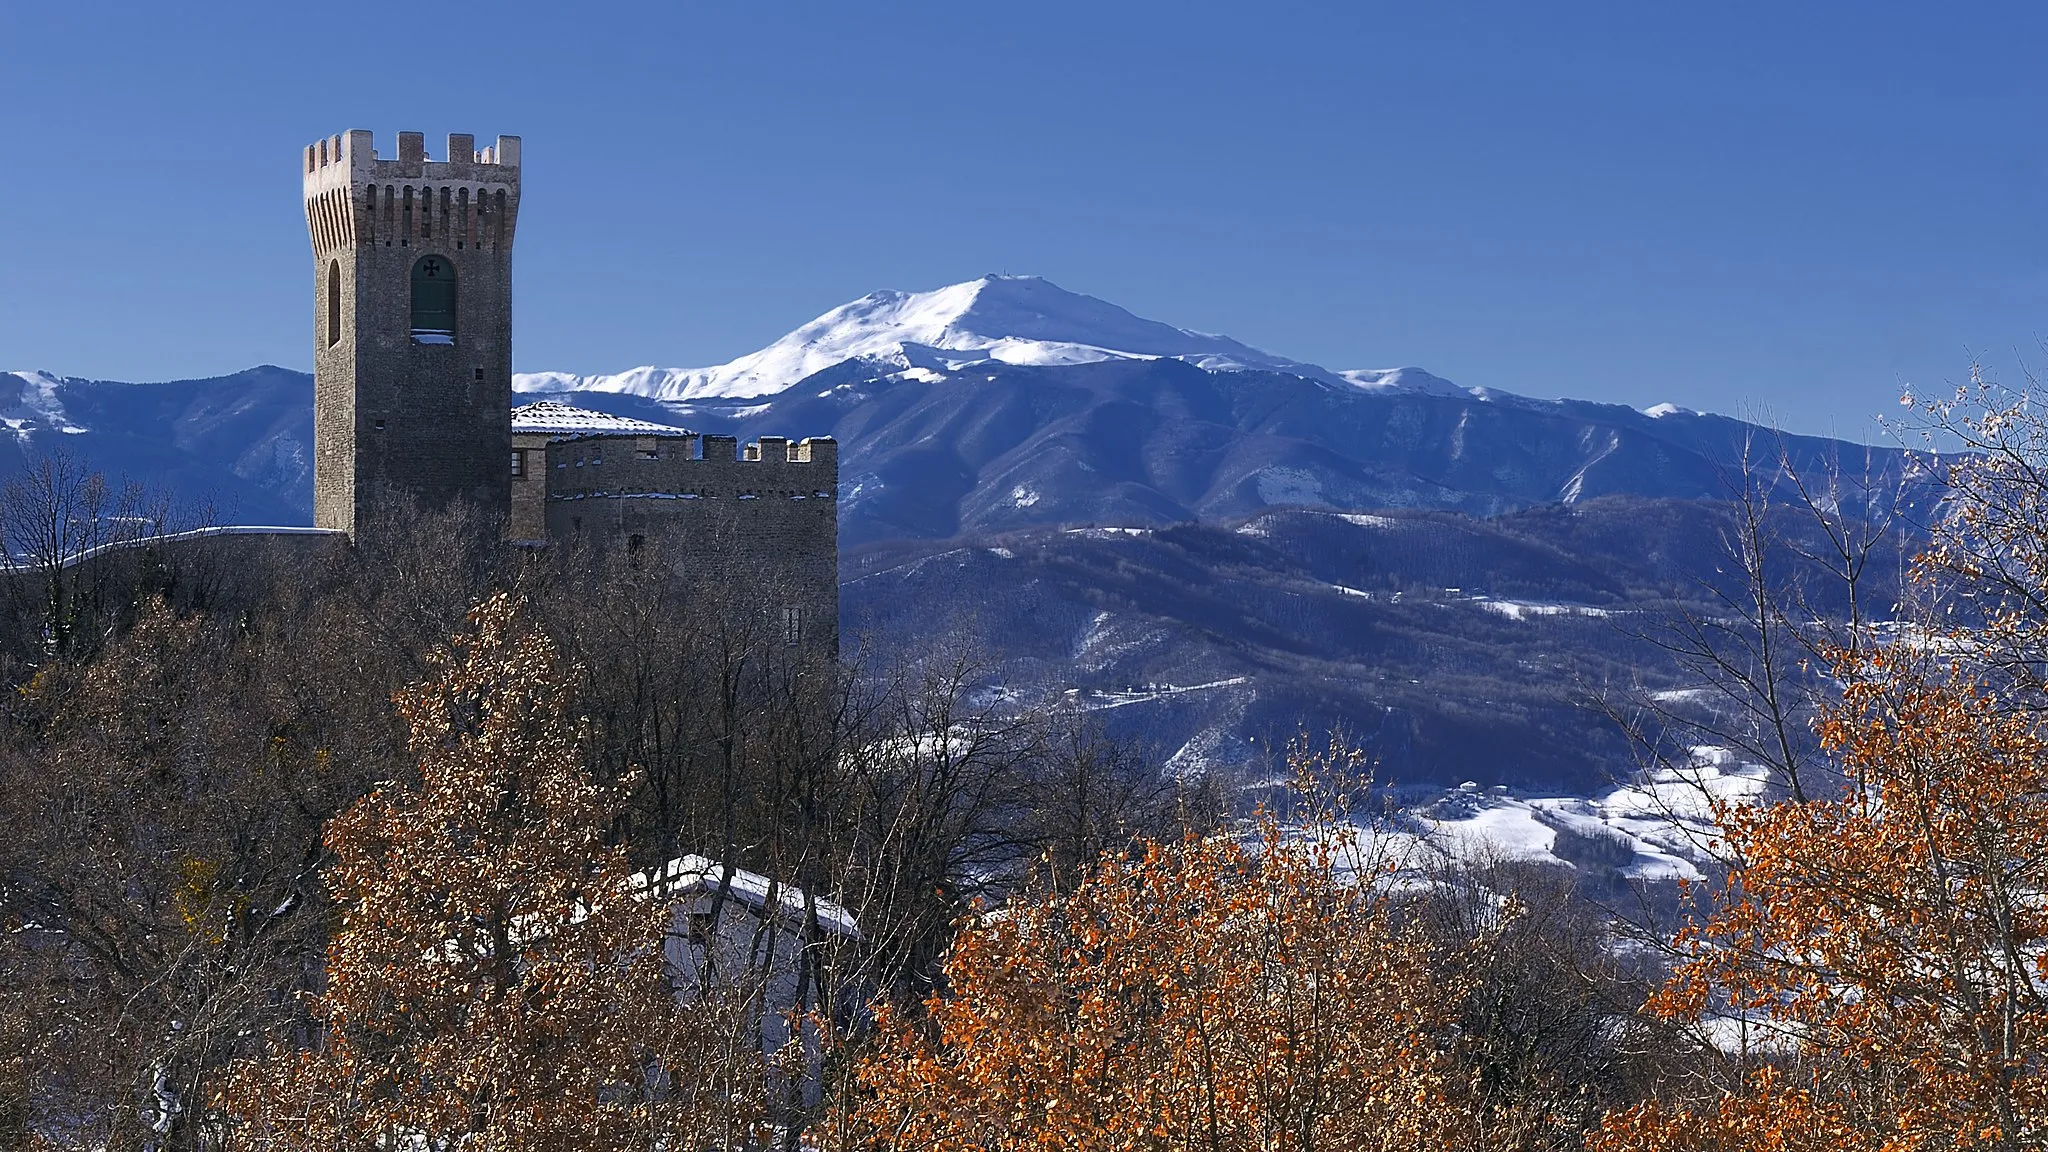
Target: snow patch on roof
<point x="1100" y="700"/>
<point x="546" y="417"/>
<point x="691" y="874"/>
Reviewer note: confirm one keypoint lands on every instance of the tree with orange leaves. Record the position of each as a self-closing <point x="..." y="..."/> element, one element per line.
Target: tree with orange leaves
<point x="1889" y="941"/>
<point x="496" y="978"/>
<point x="1220" y="993"/>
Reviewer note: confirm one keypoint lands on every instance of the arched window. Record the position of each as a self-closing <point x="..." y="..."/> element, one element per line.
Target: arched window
<point x="433" y="300"/>
<point x="333" y="302"/>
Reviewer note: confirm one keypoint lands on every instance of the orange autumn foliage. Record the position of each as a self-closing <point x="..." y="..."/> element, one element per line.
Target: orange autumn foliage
<point x="1211" y="994"/>
<point x="1768" y="1118"/>
<point x="1891" y="938"/>
<point x="495" y="981"/>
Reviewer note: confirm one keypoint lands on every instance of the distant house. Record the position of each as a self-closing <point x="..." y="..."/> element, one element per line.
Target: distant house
<point x="731" y="930"/>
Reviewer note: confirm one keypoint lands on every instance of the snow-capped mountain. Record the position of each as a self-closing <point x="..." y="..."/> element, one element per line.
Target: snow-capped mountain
<point x="1017" y="320"/>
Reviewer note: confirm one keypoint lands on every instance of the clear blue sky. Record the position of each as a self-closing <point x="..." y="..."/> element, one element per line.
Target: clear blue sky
<point x="1732" y="207"/>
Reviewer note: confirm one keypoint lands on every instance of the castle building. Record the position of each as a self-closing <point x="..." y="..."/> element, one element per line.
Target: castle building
<point x="412" y="319"/>
<point x="412" y="354"/>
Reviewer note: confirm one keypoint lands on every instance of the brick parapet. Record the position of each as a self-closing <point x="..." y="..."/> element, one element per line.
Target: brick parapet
<point x="710" y="467"/>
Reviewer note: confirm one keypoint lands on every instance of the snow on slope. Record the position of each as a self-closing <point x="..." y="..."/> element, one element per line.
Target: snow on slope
<point x="1011" y="319"/>
<point x="28" y="403"/>
<point x="1665" y="821"/>
<point x="1405" y="380"/>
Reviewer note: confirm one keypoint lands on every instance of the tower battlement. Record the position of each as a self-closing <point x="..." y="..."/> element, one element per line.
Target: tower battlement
<point x="689" y="447"/>
<point x="356" y="198"/>
<point x="339" y="159"/>
<point x="579" y="467"/>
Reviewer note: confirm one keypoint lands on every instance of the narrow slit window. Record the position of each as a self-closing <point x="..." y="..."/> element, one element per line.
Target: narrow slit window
<point x="333" y="303"/>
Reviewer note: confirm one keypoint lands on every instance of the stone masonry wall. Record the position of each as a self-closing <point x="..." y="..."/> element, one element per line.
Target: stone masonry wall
<point x="766" y="524"/>
<point x="392" y="412"/>
<point x="529" y="488"/>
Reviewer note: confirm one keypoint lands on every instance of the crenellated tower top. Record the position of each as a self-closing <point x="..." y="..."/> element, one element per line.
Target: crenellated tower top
<point x="354" y="153"/>
<point x="355" y="197"/>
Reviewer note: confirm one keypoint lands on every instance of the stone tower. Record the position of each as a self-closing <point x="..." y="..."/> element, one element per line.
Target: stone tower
<point x="412" y="323"/>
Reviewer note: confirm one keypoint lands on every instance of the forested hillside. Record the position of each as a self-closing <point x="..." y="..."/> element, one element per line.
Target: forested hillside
<point x="1449" y="648"/>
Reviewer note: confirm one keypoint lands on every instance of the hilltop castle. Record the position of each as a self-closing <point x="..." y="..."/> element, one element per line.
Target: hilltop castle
<point x="412" y="357"/>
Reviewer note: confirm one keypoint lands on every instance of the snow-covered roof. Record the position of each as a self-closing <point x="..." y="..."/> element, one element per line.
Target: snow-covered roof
<point x="550" y="418"/>
<point x="692" y="874"/>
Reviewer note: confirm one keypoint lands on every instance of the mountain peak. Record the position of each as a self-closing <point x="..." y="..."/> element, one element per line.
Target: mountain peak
<point x="923" y="335"/>
<point x="1406" y="380"/>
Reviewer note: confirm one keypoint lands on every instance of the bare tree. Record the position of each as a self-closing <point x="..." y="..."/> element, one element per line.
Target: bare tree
<point x="67" y="530"/>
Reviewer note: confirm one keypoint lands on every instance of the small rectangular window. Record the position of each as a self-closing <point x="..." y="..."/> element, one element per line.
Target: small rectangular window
<point x="479" y="375"/>
<point x="378" y="424"/>
<point x="700" y="927"/>
<point x="519" y="462"/>
<point x="792" y="624"/>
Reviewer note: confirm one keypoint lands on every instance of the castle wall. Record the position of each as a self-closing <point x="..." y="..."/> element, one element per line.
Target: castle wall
<point x="529" y="488"/>
<point x="427" y="417"/>
<point x="764" y="526"/>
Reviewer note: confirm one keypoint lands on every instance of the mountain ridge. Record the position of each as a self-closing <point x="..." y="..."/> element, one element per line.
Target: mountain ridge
<point x="1000" y="404"/>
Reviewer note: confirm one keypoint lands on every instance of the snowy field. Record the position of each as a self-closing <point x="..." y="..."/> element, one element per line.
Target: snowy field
<point x="1658" y="828"/>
